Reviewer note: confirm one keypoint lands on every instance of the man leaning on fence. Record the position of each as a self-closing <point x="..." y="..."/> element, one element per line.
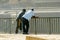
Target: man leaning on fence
<point x="19" y="21"/>
<point x="25" y="20"/>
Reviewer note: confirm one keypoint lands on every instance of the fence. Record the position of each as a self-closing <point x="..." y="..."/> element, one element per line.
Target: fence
<point x="7" y="25"/>
<point x="42" y="25"/>
<point x="45" y="25"/>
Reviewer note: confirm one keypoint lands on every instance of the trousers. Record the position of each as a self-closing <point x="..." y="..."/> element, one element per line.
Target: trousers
<point x="25" y="25"/>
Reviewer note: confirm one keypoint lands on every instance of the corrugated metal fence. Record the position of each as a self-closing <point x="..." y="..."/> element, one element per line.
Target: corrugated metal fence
<point x="7" y="25"/>
<point x="45" y="25"/>
<point x="42" y="25"/>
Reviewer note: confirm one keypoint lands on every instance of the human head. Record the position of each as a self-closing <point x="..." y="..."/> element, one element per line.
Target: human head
<point x="24" y="10"/>
<point x="32" y="9"/>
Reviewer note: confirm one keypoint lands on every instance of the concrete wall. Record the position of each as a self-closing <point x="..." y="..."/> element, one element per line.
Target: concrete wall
<point x="18" y="4"/>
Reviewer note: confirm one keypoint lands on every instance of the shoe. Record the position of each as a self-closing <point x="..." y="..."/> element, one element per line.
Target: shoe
<point x="25" y="33"/>
<point x="16" y="32"/>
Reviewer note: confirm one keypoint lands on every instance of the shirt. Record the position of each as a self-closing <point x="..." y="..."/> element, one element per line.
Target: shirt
<point x="28" y="15"/>
<point x="20" y="15"/>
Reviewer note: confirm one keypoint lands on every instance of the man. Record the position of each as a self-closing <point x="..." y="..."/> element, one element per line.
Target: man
<point x="19" y="21"/>
<point x="25" y="19"/>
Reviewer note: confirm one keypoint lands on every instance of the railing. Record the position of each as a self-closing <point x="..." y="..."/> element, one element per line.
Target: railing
<point x="45" y="25"/>
<point x="42" y="25"/>
<point x="7" y="25"/>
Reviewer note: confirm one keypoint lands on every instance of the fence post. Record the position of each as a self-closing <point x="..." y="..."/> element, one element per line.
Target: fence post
<point x="35" y="26"/>
<point x="49" y="26"/>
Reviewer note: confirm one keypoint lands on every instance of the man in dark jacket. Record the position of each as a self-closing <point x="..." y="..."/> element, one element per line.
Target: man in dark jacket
<point x="19" y="20"/>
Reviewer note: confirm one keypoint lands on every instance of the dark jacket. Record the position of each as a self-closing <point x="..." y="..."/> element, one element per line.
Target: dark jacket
<point x="20" y="15"/>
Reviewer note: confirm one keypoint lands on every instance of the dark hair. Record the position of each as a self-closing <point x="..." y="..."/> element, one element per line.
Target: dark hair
<point x="32" y="9"/>
<point x="24" y="9"/>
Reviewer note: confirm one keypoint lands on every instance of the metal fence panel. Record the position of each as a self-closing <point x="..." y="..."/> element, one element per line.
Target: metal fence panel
<point x="42" y="25"/>
<point x="46" y="25"/>
<point x="55" y="25"/>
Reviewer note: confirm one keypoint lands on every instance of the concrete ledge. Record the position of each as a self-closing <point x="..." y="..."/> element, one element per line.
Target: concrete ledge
<point x="34" y="38"/>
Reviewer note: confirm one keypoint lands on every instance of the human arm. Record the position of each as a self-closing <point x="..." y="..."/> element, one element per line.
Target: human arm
<point x="34" y="17"/>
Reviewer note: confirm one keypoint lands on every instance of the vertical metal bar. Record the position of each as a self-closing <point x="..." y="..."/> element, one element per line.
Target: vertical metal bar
<point x="49" y="26"/>
<point x="35" y="26"/>
<point x="58" y="25"/>
<point x="10" y="25"/>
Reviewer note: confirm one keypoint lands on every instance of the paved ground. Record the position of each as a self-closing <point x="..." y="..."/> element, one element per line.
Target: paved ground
<point x="22" y="37"/>
<point x="12" y="37"/>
